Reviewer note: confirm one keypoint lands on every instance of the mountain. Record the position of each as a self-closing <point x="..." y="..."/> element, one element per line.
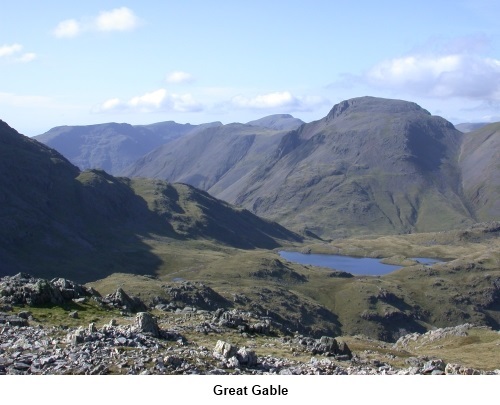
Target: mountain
<point x="470" y="126"/>
<point x="278" y="121"/>
<point x="371" y="165"/>
<point x="212" y="159"/>
<point x="480" y="167"/>
<point x="58" y="221"/>
<point x="112" y="147"/>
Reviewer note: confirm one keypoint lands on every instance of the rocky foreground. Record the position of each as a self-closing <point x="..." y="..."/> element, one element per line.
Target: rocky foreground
<point x="169" y="343"/>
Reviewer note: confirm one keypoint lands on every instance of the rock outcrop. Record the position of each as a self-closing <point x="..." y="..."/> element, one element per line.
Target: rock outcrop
<point x="24" y="289"/>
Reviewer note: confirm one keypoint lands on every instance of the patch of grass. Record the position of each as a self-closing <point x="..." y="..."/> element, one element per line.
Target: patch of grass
<point x="55" y="315"/>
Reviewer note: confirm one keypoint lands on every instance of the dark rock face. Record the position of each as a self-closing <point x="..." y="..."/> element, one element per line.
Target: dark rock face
<point x="13" y="320"/>
<point x="23" y="289"/>
<point x="121" y="300"/>
<point x="276" y="270"/>
<point x="326" y="346"/>
<point x="196" y="295"/>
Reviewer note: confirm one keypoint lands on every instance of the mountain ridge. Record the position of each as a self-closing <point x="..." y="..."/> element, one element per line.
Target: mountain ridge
<point x="371" y="165"/>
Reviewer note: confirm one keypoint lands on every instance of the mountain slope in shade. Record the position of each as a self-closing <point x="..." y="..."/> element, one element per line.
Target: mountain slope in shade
<point x="56" y="220"/>
<point x="480" y="166"/>
<point x="211" y="159"/>
<point x="112" y="147"/>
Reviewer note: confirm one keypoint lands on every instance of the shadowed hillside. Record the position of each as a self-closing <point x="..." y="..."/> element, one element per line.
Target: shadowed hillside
<point x="211" y="159"/>
<point x="480" y="164"/>
<point x="56" y="220"/>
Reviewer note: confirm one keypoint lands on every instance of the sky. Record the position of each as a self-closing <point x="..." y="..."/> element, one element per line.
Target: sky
<point x="194" y="61"/>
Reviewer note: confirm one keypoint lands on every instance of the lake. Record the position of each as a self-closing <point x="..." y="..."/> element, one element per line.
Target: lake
<point x="360" y="266"/>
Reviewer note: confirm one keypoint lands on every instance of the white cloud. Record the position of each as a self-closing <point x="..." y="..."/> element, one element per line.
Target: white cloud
<point x="12" y="53"/>
<point x="26" y="57"/>
<point x="118" y="19"/>
<point x="9" y="50"/>
<point x="111" y="104"/>
<point x="67" y="29"/>
<point x="149" y="101"/>
<point x="179" y="77"/>
<point x="451" y="75"/>
<point x="158" y="100"/>
<point x="278" y="100"/>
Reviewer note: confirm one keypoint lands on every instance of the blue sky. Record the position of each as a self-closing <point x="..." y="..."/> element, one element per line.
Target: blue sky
<point x="79" y="63"/>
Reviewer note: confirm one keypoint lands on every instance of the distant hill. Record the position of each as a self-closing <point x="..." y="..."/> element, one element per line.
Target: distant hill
<point x="212" y="159"/>
<point x="470" y="126"/>
<point x="56" y="220"/>
<point x="112" y="147"/>
<point x="279" y="122"/>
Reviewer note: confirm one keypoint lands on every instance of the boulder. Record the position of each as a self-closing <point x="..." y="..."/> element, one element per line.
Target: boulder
<point x="146" y="323"/>
<point x="121" y="300"/>
<point x="246" y="357"/>
<point x="224" y="350"/>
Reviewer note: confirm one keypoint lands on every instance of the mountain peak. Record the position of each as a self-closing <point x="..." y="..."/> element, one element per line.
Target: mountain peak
<point x="373" y="104"/>
<point x="277" y="122"/>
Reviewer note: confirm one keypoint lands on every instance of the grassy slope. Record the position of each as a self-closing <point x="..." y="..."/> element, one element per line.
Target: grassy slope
<point x="415" y="298"/>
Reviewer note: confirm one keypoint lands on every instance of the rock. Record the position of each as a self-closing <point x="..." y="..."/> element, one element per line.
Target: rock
<point x="224" y="350"/>
<point x="195" y="295"/>
<point x="343" y="351"/>
<point x="233" y="362"/>
<point x="13" y="320"/>
<point x="326" y="345"/>
<point x="76" y="337"/>
<point x="24" y="314"/>
<point x="433" y="365"/>
<point x="121" y="300"/>
<point x="73" y="314"/>
<point x="23" y="289"/>
<point x="173" y="361"/>
<point x="146" y="323"/>
<point x="457" y="369"/>
<point x="246" y="357"/>
<point x="263" y="328"/>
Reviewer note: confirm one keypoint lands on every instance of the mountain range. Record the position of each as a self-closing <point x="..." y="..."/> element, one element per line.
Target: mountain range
<point x="112" y="147"/>
<point x="371" y="165"/>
